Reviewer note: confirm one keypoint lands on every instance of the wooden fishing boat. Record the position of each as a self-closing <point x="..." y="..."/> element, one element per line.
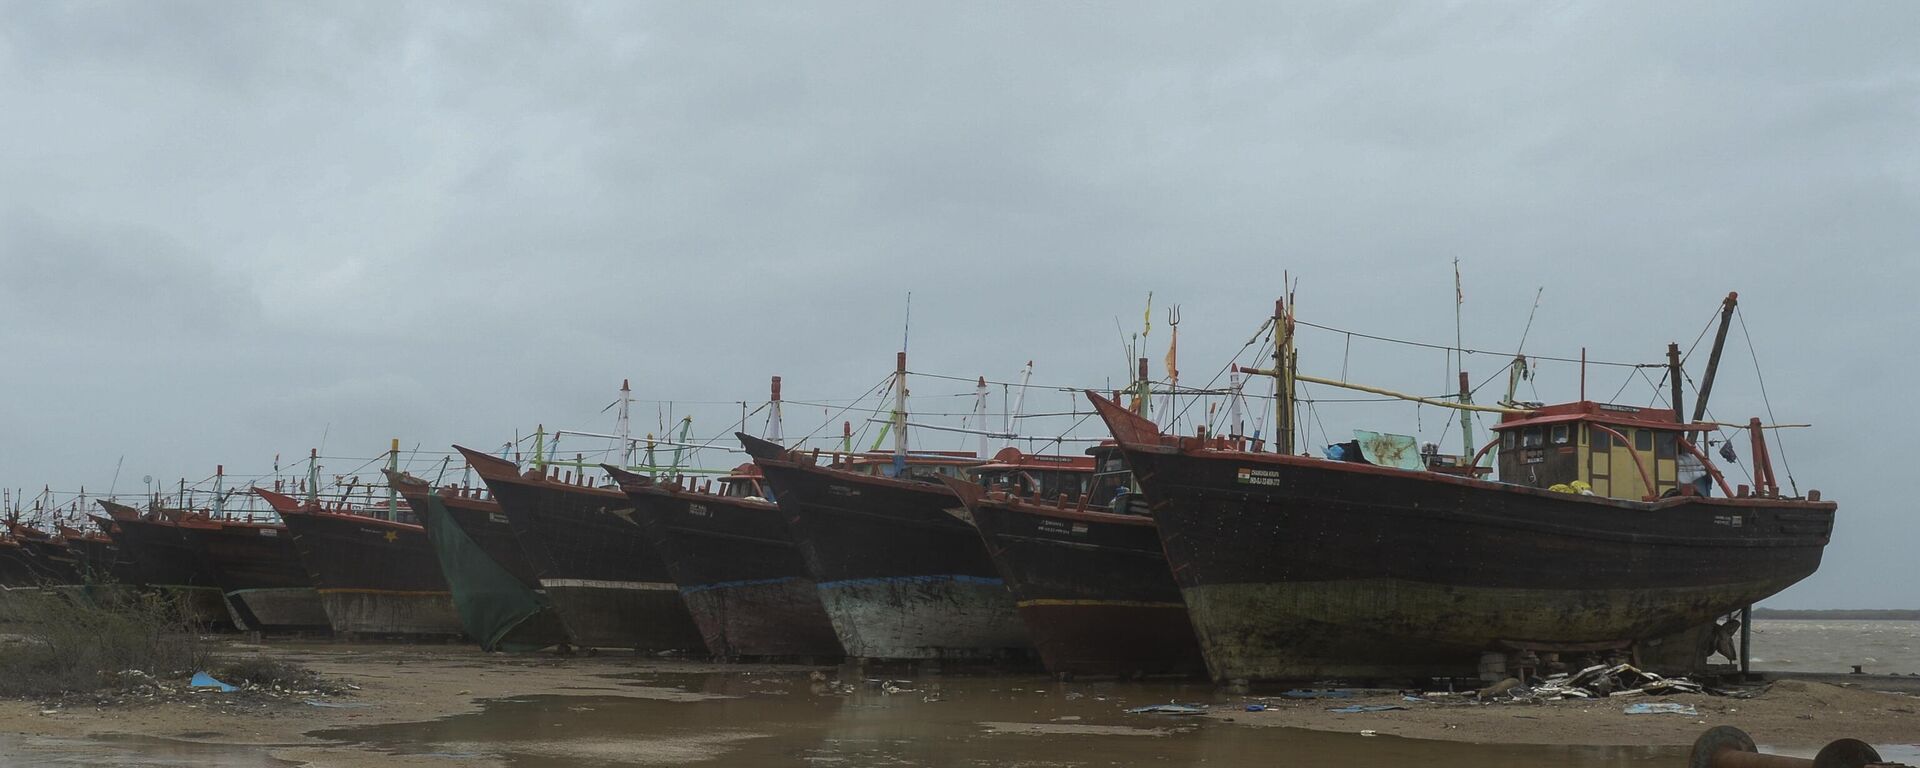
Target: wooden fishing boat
<point x="17" y="567"/>
<point x="497" y="597"/>
<point x="154" y="555"/>
<point x="1296" y="567"/>
<point x="259" y="570"/>
<point x="728" y="548"/>
<point x="45" y="554"/>
<point x="607" y="583"/>
<point x="374" y="576"/>
<point x="1087" y="573"/>
<point x="95" y="555"/>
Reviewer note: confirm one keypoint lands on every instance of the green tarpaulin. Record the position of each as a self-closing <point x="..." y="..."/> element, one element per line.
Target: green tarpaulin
<point x="495" y="608"/>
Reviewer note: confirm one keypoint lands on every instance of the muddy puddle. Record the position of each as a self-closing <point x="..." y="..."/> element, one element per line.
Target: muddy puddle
<point x="130" y="752"/>
<point x="789" y="720"/>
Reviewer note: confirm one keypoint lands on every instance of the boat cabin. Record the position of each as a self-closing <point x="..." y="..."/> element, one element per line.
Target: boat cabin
<point x="1617" y="451"/>
<point x="1035" y="475"/>
<point x="745" y="482"/>
<point x="929" y="466"/>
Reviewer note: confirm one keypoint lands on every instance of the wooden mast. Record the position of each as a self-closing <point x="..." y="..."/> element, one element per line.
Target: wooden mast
<point x="313" y="476"/>
<point x="900" y="414"/>
<point x="393" y="494"/>
<point x="1284" y="360"/>
<point x="1713" y="360"/>
<point x="1673" y="377"/>
<point x="623" y="424"/>
<point x="773" y="422"/>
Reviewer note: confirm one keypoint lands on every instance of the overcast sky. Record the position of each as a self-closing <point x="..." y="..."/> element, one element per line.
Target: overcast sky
<point x="235" y="230"/>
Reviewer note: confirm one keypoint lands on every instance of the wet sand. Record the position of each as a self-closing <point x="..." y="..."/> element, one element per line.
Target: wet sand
<point x="453" y="705"/>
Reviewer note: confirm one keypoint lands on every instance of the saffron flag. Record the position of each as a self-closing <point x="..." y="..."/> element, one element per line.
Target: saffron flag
<point x="1173" y="353"/>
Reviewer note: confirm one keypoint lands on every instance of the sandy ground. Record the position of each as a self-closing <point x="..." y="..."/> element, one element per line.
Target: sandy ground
<point x="397" y="684"/>
<point x="1786" y="712"/>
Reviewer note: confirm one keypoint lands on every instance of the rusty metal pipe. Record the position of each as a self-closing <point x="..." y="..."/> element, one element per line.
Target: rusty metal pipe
<point x="1728" y="747"/>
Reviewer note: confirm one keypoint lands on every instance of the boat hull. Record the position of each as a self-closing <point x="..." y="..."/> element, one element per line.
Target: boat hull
<point x="1297" y="568"/>
<point x="1092" y="587"/>
<point x="900" y="578"/>
<point x="374" y="577"/>
<point x="606" y="582"/>
<point x="494" y="592"/>
<point x="53" y="562"/>
<point x="155" y="555"/>
<point x="260" y="573"/>
<point x="743" y="580"/>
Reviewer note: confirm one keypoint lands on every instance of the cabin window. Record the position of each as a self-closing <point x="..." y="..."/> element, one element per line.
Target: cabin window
<point x="1599" y="439"/>
<point x="1666" y="446"/>
<point x="1561" y="434"/>
<point x="1643" y="439"/>
<point x="1506" y="440"/>
<point x="1532" y="438"/>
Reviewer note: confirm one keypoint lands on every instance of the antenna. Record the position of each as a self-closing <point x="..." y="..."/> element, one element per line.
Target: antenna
<point x="906" y="327"/>
<point x="116" y="475"/>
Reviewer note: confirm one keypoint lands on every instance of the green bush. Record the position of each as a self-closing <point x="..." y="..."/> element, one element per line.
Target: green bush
<point x="72" y="641"/>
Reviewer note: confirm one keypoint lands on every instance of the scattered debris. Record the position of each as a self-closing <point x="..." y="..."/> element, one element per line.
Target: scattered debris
<point x="1332" y="693"/>
<point x="1612" y="681"/>
<point x="204" y="680"/>
<point x="1663" y="708"/>
<point x="335" y="704"/>
<point x="1170" y="708"/>
<point x="1256" y="707"/>
<point x="1355" y="708"/>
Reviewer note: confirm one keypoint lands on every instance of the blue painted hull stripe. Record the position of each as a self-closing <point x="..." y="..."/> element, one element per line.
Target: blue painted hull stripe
<point x="890" y="580"/>
<point x="736" y="584"/>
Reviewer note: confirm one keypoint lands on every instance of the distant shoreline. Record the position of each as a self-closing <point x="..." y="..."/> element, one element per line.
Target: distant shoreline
<point x="1837" y="614"/>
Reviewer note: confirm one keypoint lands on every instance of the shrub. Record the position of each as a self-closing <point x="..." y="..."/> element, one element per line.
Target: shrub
<point x="68" y="640"/>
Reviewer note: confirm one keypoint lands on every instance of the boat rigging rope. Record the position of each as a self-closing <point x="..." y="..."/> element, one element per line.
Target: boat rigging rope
<point x="1778" y="439"/>
<point x="1449" y="348"/>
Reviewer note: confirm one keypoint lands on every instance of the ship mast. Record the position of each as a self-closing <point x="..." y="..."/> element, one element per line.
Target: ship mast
<point x="1713" y="360"/>
<point x="393" y="494"/>
<point x="1284" y="360"/>
<point x="313" y="476"/>
<point x="980" y="413"/>
<point x="900" y="414"/>
<point x="773" y="414"/>
<point x="1460" y="364"/>
<point x="624" y="426"/>
<point x="1019" y="401"/>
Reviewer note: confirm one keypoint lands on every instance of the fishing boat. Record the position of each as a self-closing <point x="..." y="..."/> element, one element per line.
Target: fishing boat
<point x="498" y="599"/>
<point x="900" y="577"/>
<point x="46" y="554"/>
<point x="1086" y="570"/>
<point x="605" y="580"/>
<point x="154" y="555"/>
<point x="375" y="576"/>
<point x="729" y="550"/>
<point x="95" y="555"/>
<point x="17" y="567"/>
<point x="1386" y="561"/>
<point x="258" y="570"/>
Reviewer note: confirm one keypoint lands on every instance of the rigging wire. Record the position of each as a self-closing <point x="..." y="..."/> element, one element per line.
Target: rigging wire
<point x="1777" y="439"/>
